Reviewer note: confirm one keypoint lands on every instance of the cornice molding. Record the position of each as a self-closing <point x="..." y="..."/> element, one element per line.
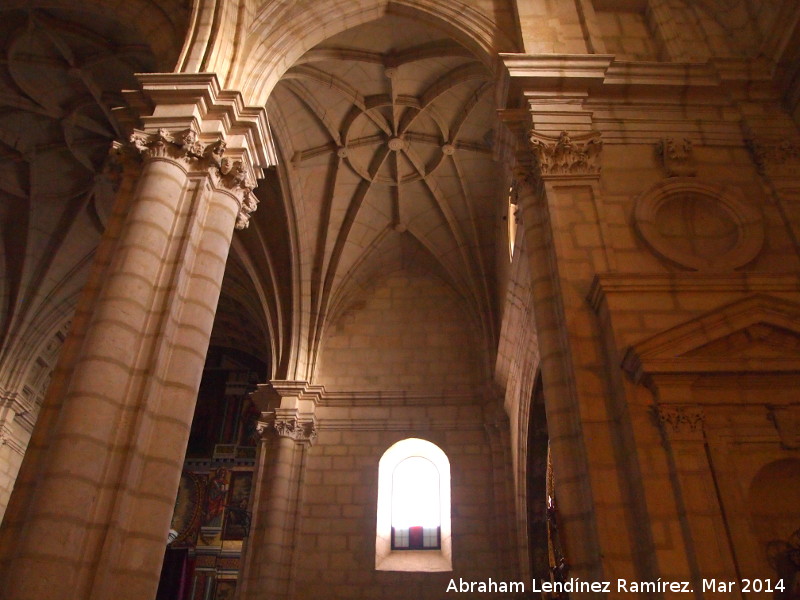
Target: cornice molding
<point x="695" y="100"/>
<point x="605" y="284"/>
<point x="176" y="101"/>
<point x="7" y="438"/>
<point x="11" y="400"/>
<point x="557" y="67"/>
<point x="679" y="350"/>
<point x="574" y="70"/>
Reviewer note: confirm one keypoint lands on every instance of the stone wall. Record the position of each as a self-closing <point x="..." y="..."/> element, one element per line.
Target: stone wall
<point x="409" y="331"/>
<point x="336" y="543"/>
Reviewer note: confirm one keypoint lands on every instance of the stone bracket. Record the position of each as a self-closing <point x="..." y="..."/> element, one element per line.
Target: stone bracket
<point x="677" y="156"/>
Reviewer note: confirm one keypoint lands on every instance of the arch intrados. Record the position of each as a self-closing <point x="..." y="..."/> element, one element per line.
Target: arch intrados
<point x="278" y="46"/>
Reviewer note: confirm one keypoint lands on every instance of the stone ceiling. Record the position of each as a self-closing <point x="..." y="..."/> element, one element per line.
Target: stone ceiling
<point x="386" y="134"/>
<point x="60" y="83"/>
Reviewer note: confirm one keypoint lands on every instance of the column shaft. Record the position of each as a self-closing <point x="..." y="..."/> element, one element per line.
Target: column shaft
<point x="98" y="489"/>
<point x="288" y="430"/>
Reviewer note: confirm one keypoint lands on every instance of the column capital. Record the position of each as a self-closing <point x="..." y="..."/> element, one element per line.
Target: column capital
<point x="187" y="116"/>
<point x="185" y="147"/>
<point x="181" y="145"/>
<point x="565" y="156"/>
<point x="288" y="409"/>
<point x="288" y="423"/>
<point x="681" y="422"/>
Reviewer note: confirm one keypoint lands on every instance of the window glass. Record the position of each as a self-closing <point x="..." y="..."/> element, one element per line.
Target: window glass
<point x="416" y="508"/>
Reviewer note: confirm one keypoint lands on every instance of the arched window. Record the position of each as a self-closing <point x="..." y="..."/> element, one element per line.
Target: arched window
<point x="413" y="524"/>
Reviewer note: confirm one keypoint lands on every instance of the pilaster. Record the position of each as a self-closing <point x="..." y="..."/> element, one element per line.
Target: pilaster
<point x="777" y="160"/>
<point x="706" y="536"/>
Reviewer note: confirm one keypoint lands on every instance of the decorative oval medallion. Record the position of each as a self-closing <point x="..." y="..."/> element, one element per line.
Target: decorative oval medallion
<point x="699" y="226"/>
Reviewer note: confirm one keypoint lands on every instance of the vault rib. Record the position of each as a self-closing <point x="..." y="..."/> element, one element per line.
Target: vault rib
<point x="447" y="214"/>
<point x="322" y="233"/>
<point x="344" y="232"/>
<point x="305" y="97"/>
<point x="448" y="81"/>
<point x="466" y="110"/>
<point x="488" y="324"/>
<point x="327" y="79"/>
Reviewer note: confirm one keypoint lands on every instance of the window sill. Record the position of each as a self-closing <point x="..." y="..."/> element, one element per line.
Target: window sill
<point x="420" y="561"/>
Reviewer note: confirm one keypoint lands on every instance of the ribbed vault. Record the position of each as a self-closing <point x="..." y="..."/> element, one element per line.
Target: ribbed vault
<point x="387" y="130"/>
<point x="60" y="108"/>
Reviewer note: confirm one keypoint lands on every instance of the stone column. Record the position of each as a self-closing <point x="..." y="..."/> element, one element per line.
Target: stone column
<point x="288" y="429"/>
<point x="558" y="181"/>
<point x="95" y="495"/>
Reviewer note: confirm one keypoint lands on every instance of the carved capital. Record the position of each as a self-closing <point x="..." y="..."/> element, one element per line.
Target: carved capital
<point x="779" y="157"/>
<point x="233" y="176"/>
<point x="185" y="147"/>
<point x="263" y="427"/>
<point x="680" y="421"/>
<point x="565" y="156"/>
<point x="524" y="175"/>
<point x="121" y="159"/>
<point x="677" y="157"/>
<point x="182" y="145"/>
<point x="297" y="430"/>
<point x="302" y="430"/>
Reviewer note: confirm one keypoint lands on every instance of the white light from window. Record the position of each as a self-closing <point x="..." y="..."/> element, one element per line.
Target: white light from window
<point x="415" y="494"/>
<point x="435" y="554"/>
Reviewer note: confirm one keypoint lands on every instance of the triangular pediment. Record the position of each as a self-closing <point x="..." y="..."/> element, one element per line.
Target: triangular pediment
<point x="756" y="334"/>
